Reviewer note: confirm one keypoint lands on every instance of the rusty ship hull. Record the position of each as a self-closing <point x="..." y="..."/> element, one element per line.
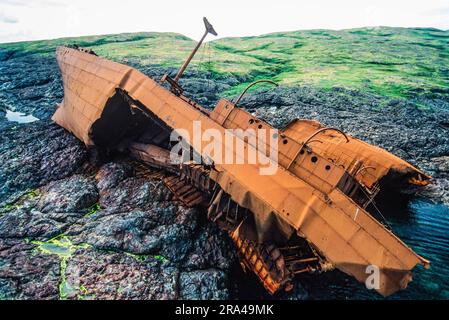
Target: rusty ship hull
<point x="318" y="195"/>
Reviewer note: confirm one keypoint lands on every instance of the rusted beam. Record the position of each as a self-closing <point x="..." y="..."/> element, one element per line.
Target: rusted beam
<point x="209" y="29"/>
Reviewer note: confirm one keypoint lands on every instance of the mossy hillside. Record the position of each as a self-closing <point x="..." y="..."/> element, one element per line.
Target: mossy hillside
<point x="393" y="62"/>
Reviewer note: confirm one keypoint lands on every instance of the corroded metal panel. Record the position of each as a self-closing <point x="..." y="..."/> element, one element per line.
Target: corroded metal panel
<point x="374" y="162"/>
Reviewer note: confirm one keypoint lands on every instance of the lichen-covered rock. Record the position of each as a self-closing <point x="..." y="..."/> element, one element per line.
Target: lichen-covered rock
<point x="50" y="210"/>
<point x="107" y="275"/>
<point x="212" y="249"/>
<point x="167" y="231"/>
<point x="438" y="191"/>
<point x="36" y="154"/>
<point x="68" y="195"/>
<point x="442" y="166"/>
<point x="135" y="193"/>
<point x="36" y="93"/>
<point x="210" y="284"/>
<point x="111" y="174"/>
<point x="25" y="273"/>
<point x="33" y="224"/>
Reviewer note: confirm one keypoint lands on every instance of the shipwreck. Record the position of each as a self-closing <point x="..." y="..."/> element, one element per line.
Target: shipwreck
<point x="308" y="216"/>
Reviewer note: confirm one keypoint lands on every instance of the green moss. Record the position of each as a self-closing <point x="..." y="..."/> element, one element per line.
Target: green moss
<point x="9" y="207"/>
<point x="63" y="247"/>
<point x="394" y="62"/>
<point x="84" y="294"/>
<point x="18" y="203"/>
<point x="65" y="289"/>
<point x="138" y="257"/>
<point x="60" y="245"/>
<point x="93" y="209"/>
<point x="161" y="258"/>
<point x="33" y="194"/>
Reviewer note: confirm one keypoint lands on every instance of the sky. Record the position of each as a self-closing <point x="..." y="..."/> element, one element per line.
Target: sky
<point x="48" y="19"/>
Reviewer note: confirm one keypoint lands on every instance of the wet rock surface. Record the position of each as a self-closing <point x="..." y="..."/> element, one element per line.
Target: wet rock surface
<point x="34" y="154"/>
<point x="48" y="211"/>
<point x="135" y="193"/>
<point x="140" y="232"/>
<point x="29" y="84"/>
<point x="29" y="223"/>
<point x="124" y="238"/>
<point x="110" y="275"/>
<point x="68" y="195"/>
<point x="139" y="243"/>
<point x="26" y="273"/>
<point x="194" y="285"/>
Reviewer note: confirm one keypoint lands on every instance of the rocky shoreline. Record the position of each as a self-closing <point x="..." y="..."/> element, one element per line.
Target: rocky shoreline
<point x="75" y="227"/>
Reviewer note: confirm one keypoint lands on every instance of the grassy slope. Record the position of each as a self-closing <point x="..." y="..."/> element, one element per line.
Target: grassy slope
<point x="394" y="62"/>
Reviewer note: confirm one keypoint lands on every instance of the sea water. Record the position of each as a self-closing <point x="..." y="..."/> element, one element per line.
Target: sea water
<point x="19" y="117"/>
<point x="425" y="228"/>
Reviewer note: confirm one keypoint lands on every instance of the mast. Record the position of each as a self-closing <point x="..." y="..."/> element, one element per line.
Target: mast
<point x="174" y="85"/>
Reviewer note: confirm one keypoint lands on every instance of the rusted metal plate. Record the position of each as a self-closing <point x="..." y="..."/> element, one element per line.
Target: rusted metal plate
<point x="376" y="161"/>
<point x="266" y="261"/>
<point x="373" y="162"/>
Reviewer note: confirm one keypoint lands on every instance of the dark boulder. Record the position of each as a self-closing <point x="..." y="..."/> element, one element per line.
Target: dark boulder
<point x="26" y="273"/>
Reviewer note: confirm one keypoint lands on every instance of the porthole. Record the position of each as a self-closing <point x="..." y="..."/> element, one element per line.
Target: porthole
<point x="314" y="159"/>
<point x="285" y="141"/>
<point x="251" y="121"/>
<point x="328" y="167"/>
